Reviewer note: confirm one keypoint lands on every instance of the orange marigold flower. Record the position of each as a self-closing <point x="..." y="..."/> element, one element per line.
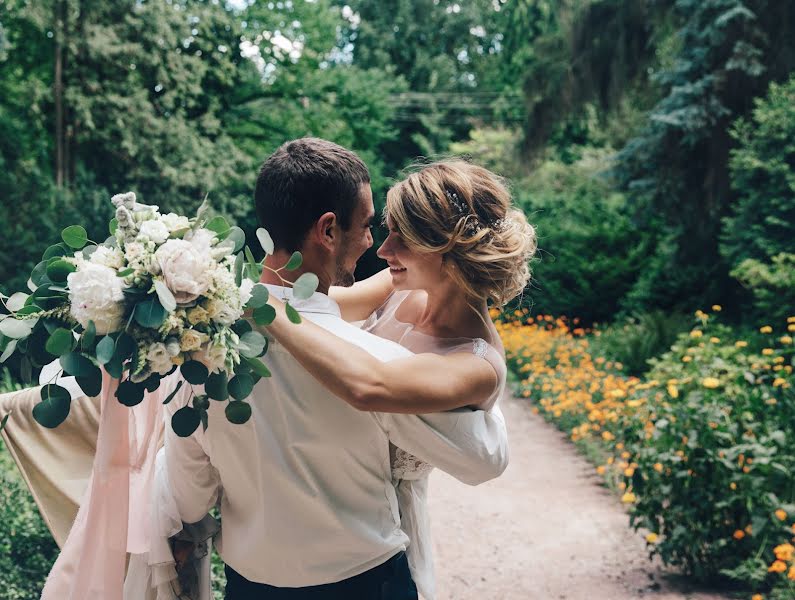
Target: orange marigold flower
<point x="740" y="344"/>
<point x="784" y="551"/>
<point x="710" y="382"/>
<point x="651" y="537"/>
<point x="777" y="567"/>
<point x="717" y="307"/>
<point x="628" y="498"/>
<point x="785" y="339"/>
<point x="696" y="333"/>
<point x="738" y="534"/>
<point x="767" y="351"/>
<point x="781" y="514"/>
<point x="659" y="468"/>
<point x="757" y="597"/>
<point x="791" y="574"/>
<point x="766" y="329"/>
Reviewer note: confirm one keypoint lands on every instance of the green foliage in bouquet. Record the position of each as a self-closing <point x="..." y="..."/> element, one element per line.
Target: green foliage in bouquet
<point x="162" y="293"/>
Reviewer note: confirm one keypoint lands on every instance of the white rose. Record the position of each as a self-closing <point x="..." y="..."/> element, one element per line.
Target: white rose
<point x="212" y="356"/>
<point x="175" y="222"/>
<point x="159" y="358"/>
<point x="245" y="291"/>
<point x="108" y="257"/>
<point x="191" y="340"/>
<point x="225" y="314"/>
<point x="154" y="230"/>
<point x="95" y="293"/>
<point x="184" y="270"/>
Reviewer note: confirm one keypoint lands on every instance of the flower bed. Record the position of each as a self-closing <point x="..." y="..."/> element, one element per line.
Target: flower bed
<point x="702" y="448"/>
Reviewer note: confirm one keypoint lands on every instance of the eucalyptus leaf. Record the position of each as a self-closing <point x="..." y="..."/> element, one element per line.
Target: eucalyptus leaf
<point x="17" y="301"/>
<point x="185" y="421"/>
<point x="216" y="384"/>
<point x="16" y="329"/>
<point x="60" y="342"/>
<point x="251" y="344"/>
<point x="150" y="313"/>
<point x="165" y="296"/>
<point x="125" y="272"/>
<point x="292" y="314"/>
<point x="194" y="372"/>
<point x="125" y="346"/>
<point x="39" y="273"/>
<point x="258" y="367"/>
<point x="75" y="236"/>
<point x="305" y="286"/>
<point x="173" y="392"/>
<point x="241" y="326"/>
<point x="56" y="250"/>
<point x="54" y="406"/>
<point x="4" y="421"/>
<point x="217" y="225"/>
<point x="90" y="384"/>
<point x="29" y="310"/>
<point x="265" y="240"/>
<point x="236" y="236"/>
<point x="259" y="296"/>
<point x="129" y="393"/>
<point x="89" y="335"/>
<point x="105" y="349"/>
<point x="249" y="256"/>
<point x="238" y="412"/>
<point x="78" y="365"/>
<point x="239" y="269"/>
<point x="240" y="386"/>
<point x="296" y="260"/>
<point x="264" y="315"/>
<point x="9" y="350"/>
<point x="113" y="225"/>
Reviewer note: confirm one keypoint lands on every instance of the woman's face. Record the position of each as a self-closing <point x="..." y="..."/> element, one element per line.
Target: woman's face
<point x="411" y="270"/>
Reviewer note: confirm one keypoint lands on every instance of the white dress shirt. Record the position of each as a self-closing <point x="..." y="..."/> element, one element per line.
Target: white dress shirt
<point x="308" y="497"/>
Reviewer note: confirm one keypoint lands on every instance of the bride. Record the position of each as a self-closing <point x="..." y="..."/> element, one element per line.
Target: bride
<point x="455" y="244"/>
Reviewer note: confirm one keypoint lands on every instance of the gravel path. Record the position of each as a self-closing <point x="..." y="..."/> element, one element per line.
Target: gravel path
<point x="545" y="530"/>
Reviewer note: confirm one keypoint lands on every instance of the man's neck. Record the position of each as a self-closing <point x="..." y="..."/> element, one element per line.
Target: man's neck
<point x="277" y="261"/>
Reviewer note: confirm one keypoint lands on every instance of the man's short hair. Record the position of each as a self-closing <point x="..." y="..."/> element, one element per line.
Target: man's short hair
<point x="301" y="181"/>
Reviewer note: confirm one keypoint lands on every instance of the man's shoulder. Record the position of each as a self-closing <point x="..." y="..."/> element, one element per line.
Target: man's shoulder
<point x="379" y="347"/>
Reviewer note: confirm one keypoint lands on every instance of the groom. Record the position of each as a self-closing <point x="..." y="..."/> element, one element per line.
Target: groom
<point x="307" y="502"/>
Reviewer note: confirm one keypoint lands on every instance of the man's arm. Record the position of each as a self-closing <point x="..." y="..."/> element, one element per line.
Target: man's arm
<point x="472" y="446"/>
<point x="193" y="479"/>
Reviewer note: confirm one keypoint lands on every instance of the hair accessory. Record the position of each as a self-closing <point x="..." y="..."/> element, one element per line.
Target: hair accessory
<point x="473" y="223"/>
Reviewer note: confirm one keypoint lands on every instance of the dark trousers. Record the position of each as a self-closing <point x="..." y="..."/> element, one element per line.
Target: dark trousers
<point x="389" y="581"/>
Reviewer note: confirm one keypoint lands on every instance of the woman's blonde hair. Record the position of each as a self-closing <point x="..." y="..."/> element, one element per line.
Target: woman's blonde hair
<point x="465" y="213"/>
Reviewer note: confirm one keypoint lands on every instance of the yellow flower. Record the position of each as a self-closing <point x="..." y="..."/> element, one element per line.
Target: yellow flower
<point x="716" y="307"/>
<point x="628" y="498"/>
<point x="740" y="344"/>
<point x="673" y="391"/>
<point x="178" y="359"/>
<point x="710" y="382"/>
<point x="651" y="537"/>
<point x="739" y="534"/>
<point x="791" y="574"/>
<point x="785" y="339"/>
<point x="767" y="351"/>
<point x="733" y="486"/>
<point x="777" y="567"/>
<point x="601" y="469"/>
<point x="659" y="468"/>
<point x="781" y="514"/>
<point x="790" y="319"/>
<point x="779" y="381"/>
<point x="784" y="552"/>
<point x="687" y="358"/>
<point x="791" y="327"/>
<point x="629" y="472"/>
<point x="696" y="333"/>
<point x="766" y="329"/>
<point x="757" y="597"/>
<point x="714" y="340"/>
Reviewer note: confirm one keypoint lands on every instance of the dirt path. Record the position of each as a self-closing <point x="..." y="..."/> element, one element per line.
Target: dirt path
<point x="545" y="530"/>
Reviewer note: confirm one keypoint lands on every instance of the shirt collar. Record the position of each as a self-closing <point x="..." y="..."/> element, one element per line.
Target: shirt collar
<point x="317" y="303"/>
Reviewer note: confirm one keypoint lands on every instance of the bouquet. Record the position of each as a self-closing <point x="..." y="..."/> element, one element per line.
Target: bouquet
<point x="163" y="292"/>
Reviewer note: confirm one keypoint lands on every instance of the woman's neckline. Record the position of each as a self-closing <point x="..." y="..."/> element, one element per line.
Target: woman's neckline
<point x="413" y="327"/>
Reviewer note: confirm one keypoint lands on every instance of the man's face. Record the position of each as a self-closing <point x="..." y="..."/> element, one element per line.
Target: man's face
<point x="356" y="240"/>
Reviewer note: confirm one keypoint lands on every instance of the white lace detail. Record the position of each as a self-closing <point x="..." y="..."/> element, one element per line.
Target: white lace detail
<point x="479" y="348"/>
<point x="408" y="466"/>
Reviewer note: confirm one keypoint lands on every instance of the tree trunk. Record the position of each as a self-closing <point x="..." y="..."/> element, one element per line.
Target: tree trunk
<point x="60" y="159"/>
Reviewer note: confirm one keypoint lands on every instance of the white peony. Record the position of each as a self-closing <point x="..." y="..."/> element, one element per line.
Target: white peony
<point x="175" y="222"/>
<point x="159" y="358"/>
<point x="108" y="257"/>
<point x="212" y="356"/>
<point x="154" y="230"/>
<point x="184" y="269"/>
<point x="202" y="240"/>
<point x="223" y="313"/>
<point x="95" y="293"/>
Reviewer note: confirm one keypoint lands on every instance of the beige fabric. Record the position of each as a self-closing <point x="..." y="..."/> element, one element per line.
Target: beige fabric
<point x="55" y="463"/>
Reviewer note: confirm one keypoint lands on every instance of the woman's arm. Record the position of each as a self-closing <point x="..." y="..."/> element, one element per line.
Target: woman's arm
<point x="423" y="383"/>
<point x="360" y="300"/>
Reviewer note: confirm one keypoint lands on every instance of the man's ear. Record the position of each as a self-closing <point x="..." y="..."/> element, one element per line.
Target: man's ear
<point x="325" y="230"/>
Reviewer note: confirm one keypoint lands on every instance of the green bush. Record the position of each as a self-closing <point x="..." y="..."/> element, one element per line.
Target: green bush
<point x="635" y="340"/>
<point x="772" y="283"/>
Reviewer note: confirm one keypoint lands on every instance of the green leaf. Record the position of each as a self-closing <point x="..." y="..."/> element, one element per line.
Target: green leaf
<point x="4" y="421"/>
<point x="78" y="365"/>
<point x="237" y="237"/>
<point x="29" y="310"/>
<point x="89" y="335"/>
<point x="125" y="346"/>
<point x="241" y="326"/>
<point x="239" y="269"/>
<point x="165" y="296"/>
<point x="305" y="286"/>
<point x="238" y="412"/>
<point x="129" y="393"/>
<point x="185" y="421"/>
<point x="251" y="344"/>
<point x="39" y="273"/>
<point x="54" y="406"/>
<point x="258" y="367"/>
<point x="216" y="386"/>
<point x="249" y="256"/>
<point x="75" y="236"/>
<point x="125" y="272"/>
<point x="259" y="296"/>
<point x="217" y="225"/>
<point x="194" y="372"/>
<point x="265" y="240"/>
<point x="292" y="314"/>
<point x="15" y="328"/>
<point x="296" y="260"/>
<point x="55" y="250"/>
<point x="105" y="349"/>
<point x="150" y="313"/>
<point x="9" y="350"/>
<point x="60" y="342"/>
<point x="240" y="386"/>
<point x="264" y="315"/>
<point x="59" y="269"/>
<point x="91" y="384"/>
<point x="173" y="393"/>
<point x="113" y="225"/>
